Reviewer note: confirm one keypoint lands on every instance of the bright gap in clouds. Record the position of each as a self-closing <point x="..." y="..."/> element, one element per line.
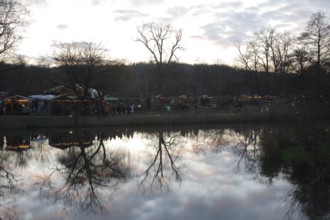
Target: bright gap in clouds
<point x="69" y="21"/>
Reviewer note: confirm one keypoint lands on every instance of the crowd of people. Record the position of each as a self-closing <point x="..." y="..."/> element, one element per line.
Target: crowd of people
<point x="120" y="109"/>
<point x="157" y="104"/>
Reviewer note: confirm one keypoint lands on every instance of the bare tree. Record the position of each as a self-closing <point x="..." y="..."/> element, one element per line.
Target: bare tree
<point x="301" y="60"/>
<point x="81" y="62"/>
<point x="84" y="64"/>
<point x="258" y="51"/>
<point x="156" y="175"/>
<point x="249" y="56"/>
<point x="9" y="187"/>
<point x="12" y="19"/>
<point x="244" y="56"/>
<point x="281" y="52"/>
<point x="161" y="40"/>
<point x="317" y="38"/>
<point x="87" y="168"/>
<point x="267" y="50"/>
<point x="265" y="39"/>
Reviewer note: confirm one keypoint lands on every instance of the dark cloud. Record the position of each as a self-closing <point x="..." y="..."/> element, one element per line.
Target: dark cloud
<point x="224" y="38"/>
<point x="290" y="15"/>
<point x="320" y="4"/>
<point x="309" y="5"/>
<point x="127" y="15"/>
<point x="62" y="26"/>
<point x="231" y="27"/>
<point x="231" y="23"/>
<point x="294" y="10"/>
<point x="229" y="5"/>
<point x="228" y="23"/>
<point x="201" y="9"/>
<point x="177" y="11"/>
<point x="198" y="10"/>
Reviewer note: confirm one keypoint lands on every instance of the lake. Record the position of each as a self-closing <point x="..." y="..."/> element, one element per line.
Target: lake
<point x="256" y="171"/>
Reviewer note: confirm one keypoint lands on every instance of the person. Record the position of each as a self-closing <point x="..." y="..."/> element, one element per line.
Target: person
<point x="34" y="105"/>
<point x="106" y="109"/>
<point x="42" y="106"/>
<point x="2" y="106"/>
<point x="15" y="105"/>
<point x="19" y="107"/>
<point x="8" y="108"/>
<point x="195" y="106"/>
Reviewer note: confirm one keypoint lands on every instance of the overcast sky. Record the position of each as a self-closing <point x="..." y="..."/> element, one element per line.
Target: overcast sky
<point x="210" y="27"/>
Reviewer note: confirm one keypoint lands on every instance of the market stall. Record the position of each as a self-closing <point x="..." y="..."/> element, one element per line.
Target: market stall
<point x="17" y="104"/>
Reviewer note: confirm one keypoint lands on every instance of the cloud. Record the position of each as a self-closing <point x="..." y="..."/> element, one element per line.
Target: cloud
<point x="289" y="16"/>
<point x="229" y="5"/>
<point x="127" y="15"/>
<point x="42" y="3"/>
<point x="146" y="2"/>
<point x="97" y="2"/>
<point x="321" y="4"/>
<point x="62" y="26"/>
<point x="231" y="27"/>
<point x="234" y="23"/>
<point x="224" y="23"/>
<point x="177" y="11"/>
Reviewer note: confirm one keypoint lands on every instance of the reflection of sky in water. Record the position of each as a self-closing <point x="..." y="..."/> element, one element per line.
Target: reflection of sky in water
<point x="212" y="186"/>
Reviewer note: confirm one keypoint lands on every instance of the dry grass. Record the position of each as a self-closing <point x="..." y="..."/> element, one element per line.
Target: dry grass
<point x="47" y="121"/>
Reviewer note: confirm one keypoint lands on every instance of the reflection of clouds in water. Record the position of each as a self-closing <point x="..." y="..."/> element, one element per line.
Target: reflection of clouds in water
<point x="133" y="148"/>
<point x="211" y="188"/>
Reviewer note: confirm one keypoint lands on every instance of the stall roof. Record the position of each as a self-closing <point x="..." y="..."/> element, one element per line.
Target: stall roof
<point x="62" y="98"/>
<point x="18" y="97"/>
<point x="42" y="97"/>
<point x="110" y="98"/>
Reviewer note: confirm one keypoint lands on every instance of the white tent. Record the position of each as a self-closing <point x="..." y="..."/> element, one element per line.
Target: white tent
<point x="42" y="97"/>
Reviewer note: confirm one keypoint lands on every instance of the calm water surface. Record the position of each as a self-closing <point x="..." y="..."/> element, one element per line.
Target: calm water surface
<point x="241" y="172"/>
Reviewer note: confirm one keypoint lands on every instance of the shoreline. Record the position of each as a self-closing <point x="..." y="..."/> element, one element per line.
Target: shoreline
<point x="49" y="121"/>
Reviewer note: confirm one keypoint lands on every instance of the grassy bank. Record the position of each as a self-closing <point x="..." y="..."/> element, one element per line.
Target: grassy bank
<point x="21" y="122"/>
<point x="48" y="121"/>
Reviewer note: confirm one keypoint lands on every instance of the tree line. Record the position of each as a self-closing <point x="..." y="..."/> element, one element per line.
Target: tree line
<point x="283" y="53"/>
<point x="134" y="80"/>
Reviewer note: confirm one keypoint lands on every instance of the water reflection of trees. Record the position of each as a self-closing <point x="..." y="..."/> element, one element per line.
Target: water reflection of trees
<point x="247" y="148"/>
<point x="299" y="153"/>
<point x="163" y="165"/>
<point x="39" y="144"/>
<point x="302" y="154"/>
<point x="242" y="141"/>
<point x="212" y="140"/>
<point x="20" y="144"/>
<point x="8" y="185"/>
<point x="305" y="160"/>
<point x="87" y="168"/>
